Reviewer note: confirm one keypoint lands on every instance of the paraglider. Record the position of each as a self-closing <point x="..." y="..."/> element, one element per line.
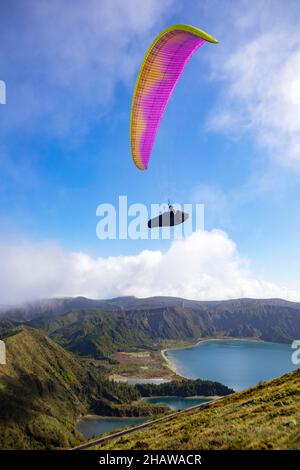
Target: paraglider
<point x="169" y="218"/>
<point x="161" y="68"/>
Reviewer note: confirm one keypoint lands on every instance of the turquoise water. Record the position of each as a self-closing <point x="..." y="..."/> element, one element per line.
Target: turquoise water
<point x="236" y="363"/>
<point x="177" y="403"/>
<point x="95" y="426"/>
<point x="99" y="425"/>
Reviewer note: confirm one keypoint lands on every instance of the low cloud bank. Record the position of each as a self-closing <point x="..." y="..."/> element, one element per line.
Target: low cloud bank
<point x="204" y="266"/>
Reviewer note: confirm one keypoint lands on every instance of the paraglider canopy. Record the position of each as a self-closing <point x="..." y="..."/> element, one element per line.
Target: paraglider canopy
<point x="162" y="66"/>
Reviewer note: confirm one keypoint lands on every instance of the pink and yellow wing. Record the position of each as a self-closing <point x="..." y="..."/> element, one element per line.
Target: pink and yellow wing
<point x="161" y="68"/>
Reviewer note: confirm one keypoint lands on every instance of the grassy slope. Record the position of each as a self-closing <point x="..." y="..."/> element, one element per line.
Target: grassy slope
<point x="263" y="417"/>
<point x="44" y="388"/>
<point x="38" y="385"/>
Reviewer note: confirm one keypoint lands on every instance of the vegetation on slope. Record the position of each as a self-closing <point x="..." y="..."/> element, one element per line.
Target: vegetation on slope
<point x="184" y="388"/>
<point x="43" y="390"/>
<point x="98" y="333"/>
<point x="94" y="333"/>
<point x="264" y="417"/>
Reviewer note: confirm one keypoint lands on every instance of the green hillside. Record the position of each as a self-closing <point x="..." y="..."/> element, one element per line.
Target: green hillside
<point x="95" y="333"/>
<point x="264" y="417"/>
<point x="98" y="332"/>
<point x="96" y="328"/>
<point x="43" y="390"/>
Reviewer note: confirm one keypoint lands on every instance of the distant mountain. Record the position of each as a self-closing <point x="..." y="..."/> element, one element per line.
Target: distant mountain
<point x="57" y="306"/>
<point x="264" y="417"/>
<point x="97" y="328"/>
<point x="40" y="308"/>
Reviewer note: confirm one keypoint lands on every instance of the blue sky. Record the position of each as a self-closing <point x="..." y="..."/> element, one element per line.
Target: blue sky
<point x="230" y="139"/>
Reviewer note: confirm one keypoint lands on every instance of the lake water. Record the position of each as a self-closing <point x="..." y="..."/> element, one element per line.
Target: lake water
<point x="236" y="363"/>
<point x="177" y="403"/>
<point x="95" y="426"/>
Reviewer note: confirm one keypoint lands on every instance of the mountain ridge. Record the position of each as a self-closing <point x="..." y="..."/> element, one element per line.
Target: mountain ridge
<point x="98" y="332"/>
<point x="63" y="304"/>
<point x="59" y="305"/>
<point x="96" y="328"/>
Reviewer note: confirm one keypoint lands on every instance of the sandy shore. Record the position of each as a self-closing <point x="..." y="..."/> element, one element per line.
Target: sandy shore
<point x="170" y="364"/>
<point x="172" y="367"/>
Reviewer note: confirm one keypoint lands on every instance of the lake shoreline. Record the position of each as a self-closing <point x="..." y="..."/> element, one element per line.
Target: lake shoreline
<point x="174" y="373"/>
<point x="192" y="397"/>
<point x="94" y="417"/>
<point x="177" y="400"/>
<point x="172" y="366"/>
<point x="238" y="363"/>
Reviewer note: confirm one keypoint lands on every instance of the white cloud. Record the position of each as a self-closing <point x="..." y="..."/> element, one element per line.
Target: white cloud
<point x="204" y="266"/>
<point x="260" y="71"/>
